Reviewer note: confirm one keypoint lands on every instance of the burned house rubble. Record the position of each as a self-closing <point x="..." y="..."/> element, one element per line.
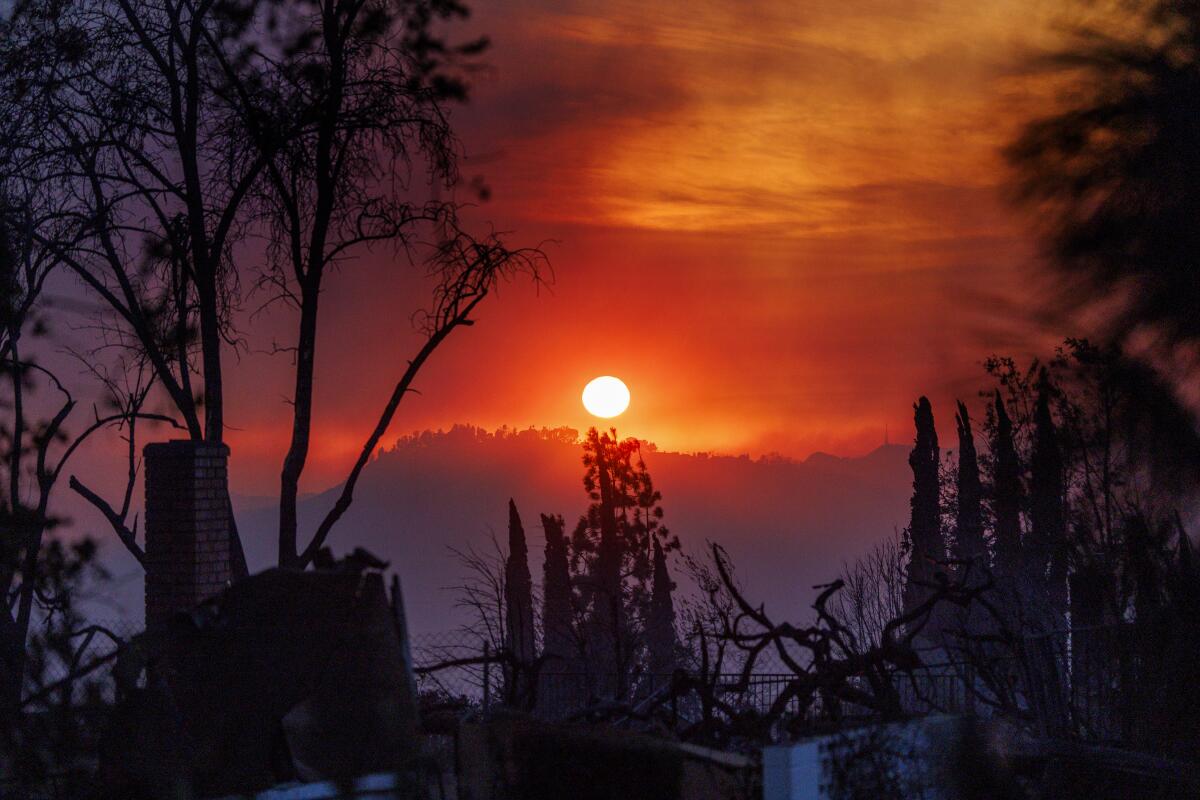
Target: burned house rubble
<point x="286" y="675"/>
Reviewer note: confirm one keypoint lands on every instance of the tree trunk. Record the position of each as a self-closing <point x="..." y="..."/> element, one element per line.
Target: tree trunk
<point x="297" y="455"/>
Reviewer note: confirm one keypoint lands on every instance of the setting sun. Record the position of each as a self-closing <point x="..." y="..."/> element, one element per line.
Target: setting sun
<point x="605" y="396"/>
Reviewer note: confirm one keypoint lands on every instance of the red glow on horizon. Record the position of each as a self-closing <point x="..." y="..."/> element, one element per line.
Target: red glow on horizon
<point x="779" y="253"/>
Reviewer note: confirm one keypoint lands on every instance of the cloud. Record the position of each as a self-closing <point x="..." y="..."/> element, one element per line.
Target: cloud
<point x="766" y="117"/>
<point x="779" y="221"/>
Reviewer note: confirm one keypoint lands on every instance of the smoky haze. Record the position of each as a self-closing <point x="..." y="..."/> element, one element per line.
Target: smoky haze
<point x="787" y="524"/>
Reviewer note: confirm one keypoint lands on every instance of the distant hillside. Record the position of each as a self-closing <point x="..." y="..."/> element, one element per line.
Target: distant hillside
<point x="787" y="524"/>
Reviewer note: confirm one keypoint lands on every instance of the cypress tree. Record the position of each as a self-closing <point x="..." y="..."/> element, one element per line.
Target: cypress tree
<point x="557" y="639"/>
<point x="518" y="592"/>
<point x="660" y="627"/>
<point x="924" y="530"/>
<point x="1046" y="550"/>
<point x="1006" y="495"/>
<point x="969" y="542"/>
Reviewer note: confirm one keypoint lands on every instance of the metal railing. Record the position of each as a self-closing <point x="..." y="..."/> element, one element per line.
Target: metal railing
<point x="1076" y="684"/>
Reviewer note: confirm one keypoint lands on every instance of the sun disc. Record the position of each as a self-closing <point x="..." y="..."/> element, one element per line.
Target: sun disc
<point x="605" y="396"/>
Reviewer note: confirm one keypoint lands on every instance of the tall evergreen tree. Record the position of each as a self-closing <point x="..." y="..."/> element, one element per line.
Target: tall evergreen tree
<point x="660" y="625"/>
<point x="969" y="542"/>
<point x="924" y="531"/>
<point x="1006" y="494"/>
<point x="612" y="551"/>
<point x="1046" y="547"/>
<point x="518" y="592"/>
<point x="558" y="641"/>
<point x="970" y="547"/>
<point x="608" y="634"/>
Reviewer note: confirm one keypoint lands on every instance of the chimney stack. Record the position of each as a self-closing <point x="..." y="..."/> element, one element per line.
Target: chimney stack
<point x="187" y="526"/>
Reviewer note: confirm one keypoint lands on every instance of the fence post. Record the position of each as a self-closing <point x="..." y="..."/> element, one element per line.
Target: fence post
<point x="487" y="676"/>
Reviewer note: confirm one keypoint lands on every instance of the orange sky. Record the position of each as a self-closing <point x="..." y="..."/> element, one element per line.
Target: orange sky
<point x="779" y="222"/>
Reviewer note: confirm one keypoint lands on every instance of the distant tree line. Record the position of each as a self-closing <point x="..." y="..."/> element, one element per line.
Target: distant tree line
<point x="472" y="434"/>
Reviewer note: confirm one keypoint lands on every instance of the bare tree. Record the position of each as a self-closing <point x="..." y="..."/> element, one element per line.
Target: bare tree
<point x="360" y="88"/>
<point x="177" y="130"/>
<point x="873" y="591"/>
<point x="828" y="663"/>
<point x="466" y="271"/>
<point x="37" y="452"/>
<point x="120" y="123"/>
<point x="36" y="448"/>
<point x="481" y="593"/>
<point x="128" y="127"/>
<point x="485" y="595"/>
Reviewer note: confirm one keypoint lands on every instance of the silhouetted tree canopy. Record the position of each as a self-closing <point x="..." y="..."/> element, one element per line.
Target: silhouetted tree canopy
<point x="660" y="624"/>
<point x="612" y="555"/>
<point x="170" y="135"/>
<point x="613" y="540"/>
<point x="558" y="614"/>
<point x="927" y="548"/>
<point x="1046" y="550"/>
<point x="518" y="591"/>
<point x="1114" y="175"/>
<point x="968" y="534"/>
<point x="1006" y="490"/>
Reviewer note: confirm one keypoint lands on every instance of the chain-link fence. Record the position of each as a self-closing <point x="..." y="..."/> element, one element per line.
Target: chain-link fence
<point x="460" y="668"/>
<point x="73" y="665"/>
<point x="453" y="666"/>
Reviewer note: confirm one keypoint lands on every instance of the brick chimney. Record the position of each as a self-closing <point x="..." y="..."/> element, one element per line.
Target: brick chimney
<point x="187" y="525"/>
